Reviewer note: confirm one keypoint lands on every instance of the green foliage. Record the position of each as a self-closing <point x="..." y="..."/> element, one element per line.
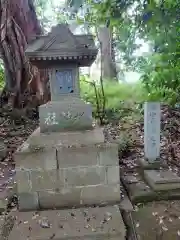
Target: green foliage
<point x="155" y="22"/>
<point x="123" y="99"/>
<point x="120" y="98"/>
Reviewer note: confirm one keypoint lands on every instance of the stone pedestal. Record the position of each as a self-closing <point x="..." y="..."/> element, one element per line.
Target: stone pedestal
<point x="66" y="170"/>
<point x="162" y="180"/>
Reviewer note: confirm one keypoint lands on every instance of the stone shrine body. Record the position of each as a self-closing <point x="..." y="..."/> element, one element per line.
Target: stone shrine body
<point x="66" y="161"/>
<point x="63" y="53"/>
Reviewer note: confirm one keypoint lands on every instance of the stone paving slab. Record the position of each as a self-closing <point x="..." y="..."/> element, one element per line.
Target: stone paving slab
<point x="82" y="223"/>
<point x="139" y="191"/>
<point x="162" y="179"/>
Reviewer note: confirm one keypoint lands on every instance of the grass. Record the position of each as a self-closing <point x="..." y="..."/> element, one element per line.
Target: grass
<point x="115" y="93"/>
<point x="121" y="98"/>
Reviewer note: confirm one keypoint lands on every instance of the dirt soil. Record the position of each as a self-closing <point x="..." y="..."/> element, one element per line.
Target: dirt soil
<point x="154" y="220"/>
<point x="15" y="127"/>
<point x="157" y="220"/>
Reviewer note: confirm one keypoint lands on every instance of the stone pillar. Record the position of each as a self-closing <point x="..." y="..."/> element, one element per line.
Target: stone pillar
<point x="152" y="115"/>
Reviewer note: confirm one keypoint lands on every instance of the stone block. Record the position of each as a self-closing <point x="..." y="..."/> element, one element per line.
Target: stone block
<point x="100" y="194"/>
<point x="82" y="176"/>
<point x="86" y="137"/>
<point x="66" y="197"/>
<point x="37" y="158"/>
<point x="108" y="155"/>
<point x="83" y="223"/>
<point x="28" y="201"/>
<point x="46" y="180"/>
<point x="80" y="156"/>
<point x="68" y="114"/>
<point x="162" y="179"/>
<point x="113" y="174"/>
<point x="143" y="163"/>
<point x="23" y="181"/>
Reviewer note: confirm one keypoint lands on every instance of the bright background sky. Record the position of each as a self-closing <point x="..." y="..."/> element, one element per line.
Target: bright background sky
<point x="144" y="49"/>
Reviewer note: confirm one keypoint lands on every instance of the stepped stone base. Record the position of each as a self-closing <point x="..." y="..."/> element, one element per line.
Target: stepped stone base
<point x="90" y="223"/>
<point x="143" y="163"/>
<point x="69" y="169"/>
<point x="160" y="180"/>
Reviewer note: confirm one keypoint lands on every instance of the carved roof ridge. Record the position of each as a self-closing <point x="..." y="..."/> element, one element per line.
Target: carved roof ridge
<point x="58" y="31"/>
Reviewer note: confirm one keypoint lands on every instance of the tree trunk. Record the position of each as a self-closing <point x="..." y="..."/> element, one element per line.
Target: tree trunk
<point x="107" y="54"/>
<point x="19" y="24"/>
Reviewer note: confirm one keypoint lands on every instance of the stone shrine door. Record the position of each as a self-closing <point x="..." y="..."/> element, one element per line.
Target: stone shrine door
<point x="64" y="81"/>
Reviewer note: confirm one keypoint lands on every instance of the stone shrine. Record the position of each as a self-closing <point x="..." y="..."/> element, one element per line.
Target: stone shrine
<point x="63" y="53"/>
<point x="66" y="163"/>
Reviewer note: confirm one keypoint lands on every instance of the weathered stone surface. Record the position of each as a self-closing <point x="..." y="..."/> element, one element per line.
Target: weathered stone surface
<point x="82" y="176"/>
<point x="103" y="154"/>
<point x="63" y="47"/>
<point x="113" y="174"/>
<point x="84" y="224"/>
<point x="125" y="204"/>
<point x="86" y="137"/>
<point x="60" y="87"/>
<point x="46" y="180"/>
<point x="69" y="114"/>
<point x="23" y="181"/>
<point x="144" y="164"/>
<point x="80" y="156"/>
<point x="162" y="179"/>
<point x="28" y="201"/>
<point x="37" y="158"/>
<point x="100" y="194"/>
<point x="137" y="189"/>
<point x="152" y="115"/>
<point x="108" y="156"/>
<point x="65" y="197"/>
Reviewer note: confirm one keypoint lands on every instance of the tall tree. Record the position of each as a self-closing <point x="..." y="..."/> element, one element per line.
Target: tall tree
<point x="104" y="34"/>
<point x="19" y="24"/>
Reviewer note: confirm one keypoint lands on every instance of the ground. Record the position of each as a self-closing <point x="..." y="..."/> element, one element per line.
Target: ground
<point x="151" y="219"/>
<point x="15" y="127"/>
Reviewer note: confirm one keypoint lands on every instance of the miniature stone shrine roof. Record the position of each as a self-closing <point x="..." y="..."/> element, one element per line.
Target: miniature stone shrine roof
<point x="62" y="45"/>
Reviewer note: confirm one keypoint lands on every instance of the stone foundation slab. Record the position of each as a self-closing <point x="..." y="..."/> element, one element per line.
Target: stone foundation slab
<point x="160" y="180"/>
<point x="83" y="223"/>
